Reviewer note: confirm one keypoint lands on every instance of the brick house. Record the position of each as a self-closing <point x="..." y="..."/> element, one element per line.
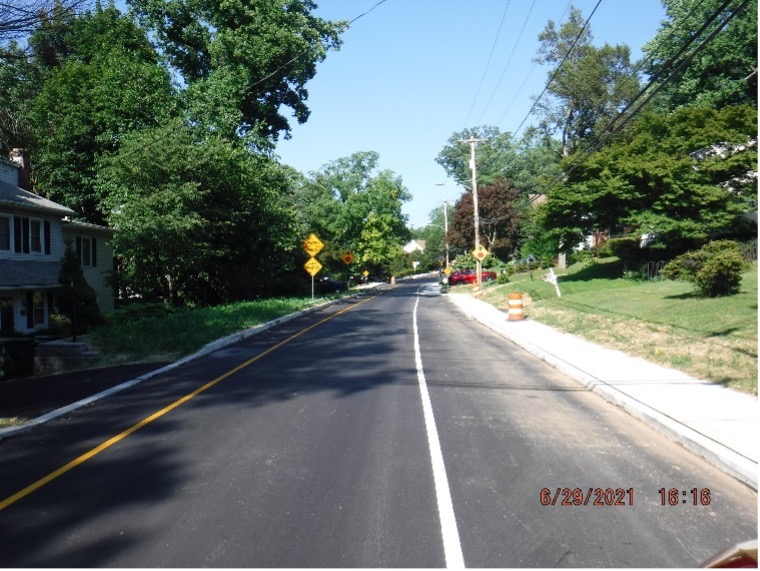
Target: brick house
<point x="33" y="236"/>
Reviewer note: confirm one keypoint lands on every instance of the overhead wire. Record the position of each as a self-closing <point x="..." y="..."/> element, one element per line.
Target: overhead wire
<point x="264" y="79"/>
<point x="488" y="63"/>
<point x="509" y="60"/>
<point x="556" y="71"/>
<point x="609" y="130"/>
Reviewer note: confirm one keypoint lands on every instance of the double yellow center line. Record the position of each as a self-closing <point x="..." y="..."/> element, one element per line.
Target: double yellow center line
<point x="156" y="415"/>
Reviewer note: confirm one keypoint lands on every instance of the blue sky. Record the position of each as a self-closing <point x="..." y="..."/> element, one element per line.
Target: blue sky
<point x="412" y="72"/>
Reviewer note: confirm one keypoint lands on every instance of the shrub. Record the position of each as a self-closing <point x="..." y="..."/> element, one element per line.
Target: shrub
<point x="715" y="269"/>
<point x="628" y="249"/>
<point x="503" y="278"/>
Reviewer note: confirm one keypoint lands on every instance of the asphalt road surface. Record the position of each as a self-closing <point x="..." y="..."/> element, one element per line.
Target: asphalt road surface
<point x="384" y="431"/>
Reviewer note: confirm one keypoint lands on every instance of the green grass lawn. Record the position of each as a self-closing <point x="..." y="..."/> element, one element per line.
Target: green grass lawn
<point x="165" y="336"/>
<point x="660" y="320"/>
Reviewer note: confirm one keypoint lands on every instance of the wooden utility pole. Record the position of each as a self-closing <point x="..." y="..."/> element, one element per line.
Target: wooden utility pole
<point x="472" y="141"/>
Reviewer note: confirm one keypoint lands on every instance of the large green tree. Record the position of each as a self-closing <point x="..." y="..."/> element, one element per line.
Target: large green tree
<point x="353" y="205"/>
<point x="529" y="161"/>
<point x="102" y="79"/>
<point x="725" y="70"/>
<point x="200" y="219"/>
<point x="681" y="178"/>
<point x="588" y="85"/>
<point x="243" y="61"/>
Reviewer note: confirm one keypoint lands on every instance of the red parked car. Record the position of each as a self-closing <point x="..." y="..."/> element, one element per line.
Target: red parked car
<point x="470" y="277"/>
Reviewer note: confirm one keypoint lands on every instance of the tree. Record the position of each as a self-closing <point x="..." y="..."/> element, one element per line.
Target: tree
<point x="589" y="86"/>
<point x="19" y="83"/>
<point x="527" y="161"/>
<point x="19" y="18"/>
<point x="242" y="61"/>
<point x="498" y="205"/>
<point x="200" y="220"/>
<point x="103" y="81"/>
<point x="725" y="71"/>
<point x="76" y="300"/>
<point x="680" y="178"/>
<point x="352" y="205"/>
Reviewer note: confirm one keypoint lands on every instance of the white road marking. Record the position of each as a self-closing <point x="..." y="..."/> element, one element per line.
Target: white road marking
<point x="451" y="546"/>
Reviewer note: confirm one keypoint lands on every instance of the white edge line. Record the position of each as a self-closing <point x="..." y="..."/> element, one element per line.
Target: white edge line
<point x="452" y="547"/>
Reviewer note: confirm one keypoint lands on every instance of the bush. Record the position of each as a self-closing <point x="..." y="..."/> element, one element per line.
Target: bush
<point x="629" y="250"/>
<point x="715" y="269"/>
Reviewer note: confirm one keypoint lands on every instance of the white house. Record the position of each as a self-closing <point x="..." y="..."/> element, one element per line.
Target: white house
<point x="414" y="246"/>
<point x="33" y="234"/>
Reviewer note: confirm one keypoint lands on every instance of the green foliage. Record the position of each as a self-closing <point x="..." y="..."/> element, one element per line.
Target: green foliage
<point x="527" y="161"/>
<point x="352" y="205"/>
<point x="715" y="269"/>
<point x="243" y="61"/>
<point x="76" y="301"/>
<point x="629" y="250"/>
<point x="201" y="220"/>
<point x="588" y="88"/>
<point x="722" y="74"/>
<point x="102" y="80"/>
<point x="651" y="181"/>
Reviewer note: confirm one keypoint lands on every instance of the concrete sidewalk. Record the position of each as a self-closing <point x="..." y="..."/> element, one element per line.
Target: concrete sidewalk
<point x="718" y="424"/>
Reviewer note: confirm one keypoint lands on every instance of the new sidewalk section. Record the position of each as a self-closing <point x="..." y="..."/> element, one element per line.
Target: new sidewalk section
<point x="718" y="424"/>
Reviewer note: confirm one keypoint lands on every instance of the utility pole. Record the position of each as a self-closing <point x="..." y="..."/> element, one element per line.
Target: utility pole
<point x="446" y="228"/>
<point x="472" y="141"/>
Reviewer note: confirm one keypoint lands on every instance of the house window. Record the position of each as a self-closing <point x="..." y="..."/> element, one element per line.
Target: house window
<point x="35" y="234"/>
<point x="5" y="233"/>
<point x="87" y="252"/>
<point x="31" y="235"/>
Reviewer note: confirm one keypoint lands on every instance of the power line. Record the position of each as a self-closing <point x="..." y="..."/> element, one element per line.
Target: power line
<point x="604" y="137"/>
<point x="269" y="76"/>
<point x="488" y="63"/>
<point x="509" y="60"/>
<point x="556" y="71"/>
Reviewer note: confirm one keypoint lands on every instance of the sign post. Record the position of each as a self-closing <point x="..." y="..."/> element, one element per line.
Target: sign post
<point x="313" y="246"/>
<point x="551" y="277"/>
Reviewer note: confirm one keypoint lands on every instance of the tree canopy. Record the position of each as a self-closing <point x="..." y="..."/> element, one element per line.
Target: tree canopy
<point x="683" y="177"/>
<point x="353" y="205"/>
<point x="200" y="219"/>
<point x="588" y="85"/>
<point x="725" y="71"/>
<point x="242" y="61"/>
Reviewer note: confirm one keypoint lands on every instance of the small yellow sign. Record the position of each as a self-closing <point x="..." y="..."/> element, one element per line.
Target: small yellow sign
<point x="312" y="266"/>
<point x="480" y="253"/>
<point x="313" y="245"/>
<point x="447" y="271"/>
<point x="365" y="273"/>
<point x="348" y="257"/>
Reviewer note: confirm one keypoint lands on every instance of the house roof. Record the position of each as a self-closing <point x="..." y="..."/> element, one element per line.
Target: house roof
<point x="415" y="245"/>
<point x="21" y="199"/>
<point x="28" y="274"/>
<point x="80" y="226"/>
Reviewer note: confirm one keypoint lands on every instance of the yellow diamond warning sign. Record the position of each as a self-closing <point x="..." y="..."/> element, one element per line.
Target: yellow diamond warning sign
<point x="480" y="253"/>
<point x="313" y="266"/>
<point x="313" y="245"/>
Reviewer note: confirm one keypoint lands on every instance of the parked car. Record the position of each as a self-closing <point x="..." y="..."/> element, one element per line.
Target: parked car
<point x="470" y="277"/>
<point x="328" y="285"/>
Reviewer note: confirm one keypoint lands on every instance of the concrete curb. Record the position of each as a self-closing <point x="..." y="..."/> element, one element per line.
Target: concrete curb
<point x="205" y="350"/>
<point x="719" y="455"/>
